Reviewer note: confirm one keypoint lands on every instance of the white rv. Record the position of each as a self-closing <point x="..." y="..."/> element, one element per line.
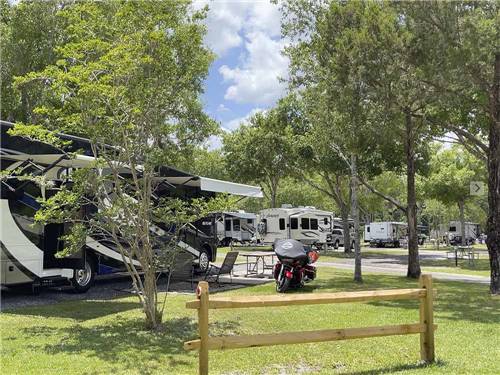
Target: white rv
<point x="385" y="233"/>
<point x="305" y="224"/>
<point x="235" y="226"/>
<point x="28" y="250"/>
<point x="472" y="232"/>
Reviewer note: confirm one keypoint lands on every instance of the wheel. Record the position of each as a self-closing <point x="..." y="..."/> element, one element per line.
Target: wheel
<point x="336" y="246"/>
<point x="203" y="261"/>
<point x="283" y="284"/>
<point x="397" y="244"/>
<point x="84" y="278"/>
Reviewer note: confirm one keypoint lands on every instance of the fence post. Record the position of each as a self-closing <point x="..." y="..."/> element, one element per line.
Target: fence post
<point x="202" y="293"/>
<point x="427" y="318"/>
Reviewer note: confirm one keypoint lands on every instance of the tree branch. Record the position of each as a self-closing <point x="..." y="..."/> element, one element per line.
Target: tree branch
<point x="388" y="198"/>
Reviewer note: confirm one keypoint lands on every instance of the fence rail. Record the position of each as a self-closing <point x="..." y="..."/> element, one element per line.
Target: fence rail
<point x="205" y="343"/>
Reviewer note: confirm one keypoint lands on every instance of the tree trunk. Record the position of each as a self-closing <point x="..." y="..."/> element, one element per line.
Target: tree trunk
<point x="355" y="216"/>
<point x="344" y="212"/>
<point x="273" y="198"/>
<point x="461" y="207"/>
<point x="411" y="211"/>
<point x="493" y="224"/>
<point x="153" y="316"/>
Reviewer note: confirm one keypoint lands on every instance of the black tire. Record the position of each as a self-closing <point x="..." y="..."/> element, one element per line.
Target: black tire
<point x="283" y="284"/>
<point x="337" y="244"/>
<point x="203" y="261"/>
<point x="83" y="280"/>
<point x="397" y="244"/>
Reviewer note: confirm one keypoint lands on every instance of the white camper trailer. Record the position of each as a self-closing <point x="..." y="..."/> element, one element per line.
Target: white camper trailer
<point x="235" y="226"/>
<point x="472" y="232"/>
<point x="305" y="224"/>
<point x="385" y="233"/>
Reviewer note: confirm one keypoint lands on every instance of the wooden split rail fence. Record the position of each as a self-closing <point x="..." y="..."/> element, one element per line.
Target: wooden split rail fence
<point x="205" y="343"/>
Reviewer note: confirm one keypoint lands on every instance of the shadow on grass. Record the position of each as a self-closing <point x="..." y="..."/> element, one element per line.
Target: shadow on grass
<point x="78" y="310"/>
<point x="400" y="368"/>
<point x="123" y="341"/>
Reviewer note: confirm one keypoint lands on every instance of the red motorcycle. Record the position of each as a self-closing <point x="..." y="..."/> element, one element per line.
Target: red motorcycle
<point x="294" y="266"/>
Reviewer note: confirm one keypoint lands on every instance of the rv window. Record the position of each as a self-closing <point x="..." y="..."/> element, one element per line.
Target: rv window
<point x="249" y="221"/>
<point x="325" y="221"/>
<point x="314" y="224"/>
<point x="282" y="224"/>
<point x="236" y="224"/>
<point x="368" y="229"/>
<point x="453" y="229"/>
<point x="304" y="223"/>
<point x="294" y="223"/>
<point x="228" y="224"/>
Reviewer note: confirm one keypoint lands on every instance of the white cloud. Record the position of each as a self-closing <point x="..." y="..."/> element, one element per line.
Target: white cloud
<point x="214" y="142"/>
<point x="255" y="27"/>
<point x="257" y="79"/>
<point x="222" y="108"/>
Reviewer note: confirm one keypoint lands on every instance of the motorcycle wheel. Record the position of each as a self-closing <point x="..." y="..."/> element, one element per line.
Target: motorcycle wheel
<point x="283" y="284"/>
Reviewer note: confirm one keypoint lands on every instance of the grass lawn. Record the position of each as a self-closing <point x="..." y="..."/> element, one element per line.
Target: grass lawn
<point x="102" y="337"/>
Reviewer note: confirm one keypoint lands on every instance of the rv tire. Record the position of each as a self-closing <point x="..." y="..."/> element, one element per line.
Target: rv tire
<point x="203" y="261"/>
<point x="83" y="279"/>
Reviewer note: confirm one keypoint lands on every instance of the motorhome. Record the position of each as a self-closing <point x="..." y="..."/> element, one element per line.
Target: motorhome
<point x="472" y="232"/>
<point x="235" y="227"/>
<point x="385" y="233"/>
<point x="305" y="224"/>
<point x="28" y="250"/>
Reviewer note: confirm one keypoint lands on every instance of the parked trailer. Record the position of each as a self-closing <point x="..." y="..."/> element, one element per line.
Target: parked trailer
<point x="305" y="224"/>
<point x="235" y="227"/>
<point x="381" y="234"/>
<point x="28" y="250"/>
<point x="472" y="232"/>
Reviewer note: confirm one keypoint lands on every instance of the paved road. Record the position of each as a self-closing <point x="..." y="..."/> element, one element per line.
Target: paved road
<point x="397" y="264"/>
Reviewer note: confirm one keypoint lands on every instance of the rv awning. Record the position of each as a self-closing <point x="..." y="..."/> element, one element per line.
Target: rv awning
<point x="216" y="186"/>
<point x="241" y="215"/>
<point x="78" y="161"/>
<point x="178" y="177"/>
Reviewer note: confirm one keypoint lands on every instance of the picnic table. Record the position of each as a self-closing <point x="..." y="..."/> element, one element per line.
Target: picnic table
<point x="253" y="260"/>
<point x="463" y="252"/>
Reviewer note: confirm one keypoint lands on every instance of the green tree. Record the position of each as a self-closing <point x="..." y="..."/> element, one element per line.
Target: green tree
<point x="452" y="172"/>
<point x="260" y="152"/>
<point x="129" y="75"/>
<point x="464" y="72"/>
<point x="360" y="59"/>
<point x="29" y="32"/>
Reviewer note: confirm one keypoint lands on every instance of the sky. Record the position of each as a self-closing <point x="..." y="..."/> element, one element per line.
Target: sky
<point x="244" y="78"/>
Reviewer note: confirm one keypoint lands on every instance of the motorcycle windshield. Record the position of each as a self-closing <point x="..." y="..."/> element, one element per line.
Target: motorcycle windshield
<point x="290" y="249"/>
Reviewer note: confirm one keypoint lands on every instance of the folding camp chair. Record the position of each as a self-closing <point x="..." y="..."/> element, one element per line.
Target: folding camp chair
<point x="226" y="268"/>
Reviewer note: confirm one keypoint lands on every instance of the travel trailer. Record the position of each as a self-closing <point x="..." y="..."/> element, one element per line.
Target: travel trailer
<point x="385" y="233"/>
<point x="28" y="250"/>
<point x="235" y="227"/>
<point x="305" y="224"/>
<point x="472" y="233"/>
